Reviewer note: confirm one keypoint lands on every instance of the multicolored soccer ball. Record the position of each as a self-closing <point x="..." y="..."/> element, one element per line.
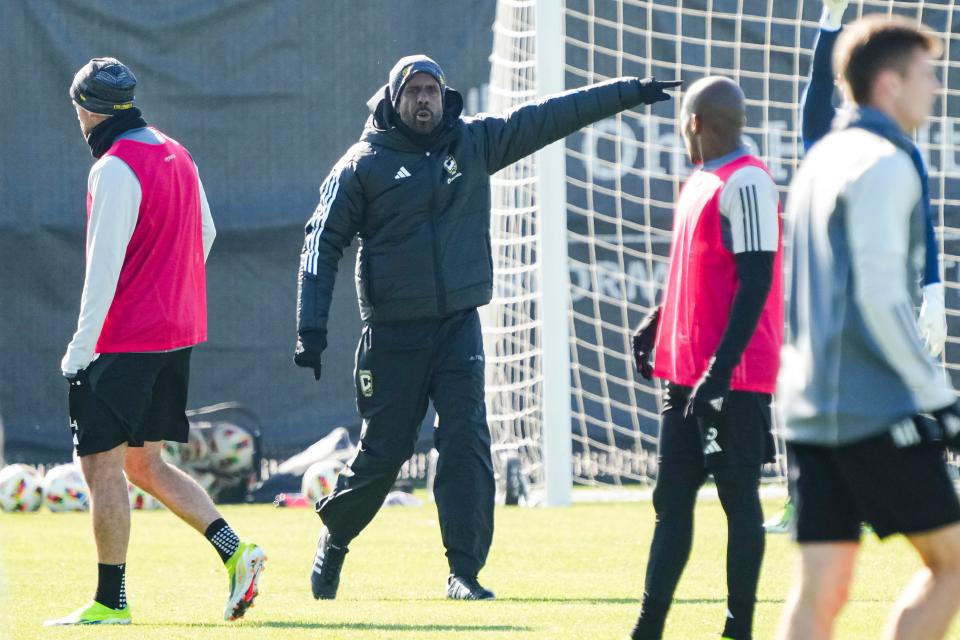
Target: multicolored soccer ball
<point x="21" y="488"/>
<point x="141" y="500"/>
<point x="192" y="453"/>
<point x="64" y="489"/>
<point x="231" y="449"/>
<point x="320" y="479"/>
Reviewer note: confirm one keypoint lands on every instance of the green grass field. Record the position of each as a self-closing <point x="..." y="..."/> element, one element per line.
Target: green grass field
<point x="558" y="573"/>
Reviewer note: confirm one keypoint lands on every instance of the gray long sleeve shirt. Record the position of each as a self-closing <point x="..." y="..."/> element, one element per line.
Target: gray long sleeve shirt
<point x="854" y="363"/>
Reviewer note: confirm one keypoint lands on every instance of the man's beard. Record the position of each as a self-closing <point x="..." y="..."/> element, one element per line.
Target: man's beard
<point x="423" y="126"/>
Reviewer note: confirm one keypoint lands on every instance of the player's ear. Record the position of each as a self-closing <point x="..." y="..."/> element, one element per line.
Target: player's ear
<point x="696" y="124"/>
<point x="888" y="82"/>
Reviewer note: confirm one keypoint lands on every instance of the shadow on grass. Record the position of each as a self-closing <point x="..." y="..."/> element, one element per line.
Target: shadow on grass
<point x="357" y="626"/>
<point x="574" y="600"/>
<point x="724" y="601"/>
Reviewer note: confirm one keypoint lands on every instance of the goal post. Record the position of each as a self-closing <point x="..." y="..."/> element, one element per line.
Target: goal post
<point x="562" y="392"/>
<point x="551" y="197"/>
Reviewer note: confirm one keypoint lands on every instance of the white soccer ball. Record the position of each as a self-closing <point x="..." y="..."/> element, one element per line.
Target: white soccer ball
<point x="64" y="489"/>
<point x="141" y="500"/>
<point x="21" y="488"/>
<point x="320" y="479"/>
<point x="195" y="450"/>
<point x="231" y="449"/>
<point x="170" y="452"/>
<point x="192" y="453"/>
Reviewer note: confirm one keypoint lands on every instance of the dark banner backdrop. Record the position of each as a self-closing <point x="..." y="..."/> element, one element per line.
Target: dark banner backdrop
<point x="266" y="96"/>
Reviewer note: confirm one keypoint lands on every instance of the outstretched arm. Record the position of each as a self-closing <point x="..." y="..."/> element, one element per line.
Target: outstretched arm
<point x="532" y="126"/>
<point x="816" y="102"/>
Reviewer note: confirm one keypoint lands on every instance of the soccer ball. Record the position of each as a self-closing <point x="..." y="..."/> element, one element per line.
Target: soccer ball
<point x="320" y="479"/>
<point x="21" y="488"/>
<point x="192" y="453"/>
<point x="141" y="500"/>
<point x="195" y="450"/>
<point x="231" y="449"/>
<point x="64" y="489"/>
<point x="170" y="452"/>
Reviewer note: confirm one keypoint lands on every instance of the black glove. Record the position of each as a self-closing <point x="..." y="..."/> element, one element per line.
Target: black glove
<point x="710" y="394"/>
<point x="310" y="345"/>
<point x="652" y="90"/>
<point x="643" y="341"/>
<point x="948" y="419"/>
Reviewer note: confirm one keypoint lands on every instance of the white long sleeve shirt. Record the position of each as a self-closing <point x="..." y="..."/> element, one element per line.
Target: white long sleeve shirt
<point x="115" y="206"/>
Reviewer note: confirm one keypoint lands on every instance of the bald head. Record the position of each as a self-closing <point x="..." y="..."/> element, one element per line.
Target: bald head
<point x="713" y="115"/>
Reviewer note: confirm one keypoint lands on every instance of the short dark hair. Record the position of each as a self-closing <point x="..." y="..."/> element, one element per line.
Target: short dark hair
<point x="877" y="43"/>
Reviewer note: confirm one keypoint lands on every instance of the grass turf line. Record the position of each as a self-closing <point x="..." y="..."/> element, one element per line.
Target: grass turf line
<point x="558" y="573"/>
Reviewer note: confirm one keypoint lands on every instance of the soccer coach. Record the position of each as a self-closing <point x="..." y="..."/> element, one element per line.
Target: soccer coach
<point x="416" y="190"/>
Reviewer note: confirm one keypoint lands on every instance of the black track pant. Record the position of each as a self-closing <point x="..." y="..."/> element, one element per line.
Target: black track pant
<point x="682" y="473"/>
<point x="400" y="366"/>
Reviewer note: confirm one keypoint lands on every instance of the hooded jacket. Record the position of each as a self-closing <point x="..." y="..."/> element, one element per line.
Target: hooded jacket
<point x="421" y="209"/>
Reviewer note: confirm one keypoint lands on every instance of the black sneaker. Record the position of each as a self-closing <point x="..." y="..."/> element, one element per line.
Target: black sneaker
<point x="325" y="577"/>
<point x="467" y="588"/>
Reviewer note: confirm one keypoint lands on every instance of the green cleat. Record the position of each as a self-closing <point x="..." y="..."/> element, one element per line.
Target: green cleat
<point x="93" y="613"/>
<point x="782" y="522"/>
<point x="243" y="568"/>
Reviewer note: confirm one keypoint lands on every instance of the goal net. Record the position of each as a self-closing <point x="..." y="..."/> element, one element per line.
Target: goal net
<point x="621" y="177"/>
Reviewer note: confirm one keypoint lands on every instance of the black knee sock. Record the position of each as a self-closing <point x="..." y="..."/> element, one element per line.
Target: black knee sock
<point x="223" y="538"/>
<point x="653" y="617"/>
<point x="111" y="585"/>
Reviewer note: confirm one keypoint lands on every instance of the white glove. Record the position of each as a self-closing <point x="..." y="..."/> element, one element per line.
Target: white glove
<point x="933" y="319"/>
<point x="832" y="18"/>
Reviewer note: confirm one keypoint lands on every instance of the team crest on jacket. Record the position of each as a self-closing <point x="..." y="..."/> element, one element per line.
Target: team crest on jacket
<point x="366" y="382"/>
<point x="450" y="164"/>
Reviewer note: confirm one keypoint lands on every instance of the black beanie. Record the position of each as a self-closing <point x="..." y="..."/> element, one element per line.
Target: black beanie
<point x="104" y="86"/>
<point x="406" y="67"/>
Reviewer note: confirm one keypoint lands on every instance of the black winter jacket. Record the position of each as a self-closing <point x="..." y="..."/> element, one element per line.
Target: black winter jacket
<point x="423" y="214"/>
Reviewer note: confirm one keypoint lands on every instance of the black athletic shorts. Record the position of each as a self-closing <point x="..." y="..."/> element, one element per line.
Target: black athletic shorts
<point x="741" y="437"/>
<point x="896" y="482"/>
<point x="130" y="398"/>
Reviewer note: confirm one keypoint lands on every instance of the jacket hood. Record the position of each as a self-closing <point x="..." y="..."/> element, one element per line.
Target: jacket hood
<point x="381" y="128"/>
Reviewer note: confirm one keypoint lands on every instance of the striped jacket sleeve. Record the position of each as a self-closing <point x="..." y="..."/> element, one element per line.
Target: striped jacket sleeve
<point x="331" y="229"/>
<point x="749" y="209"/>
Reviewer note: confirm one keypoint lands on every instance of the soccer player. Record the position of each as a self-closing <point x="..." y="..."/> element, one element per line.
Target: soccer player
<point x="717" y="336"/>
<point x="855" y="371"/>
<point x="416" y="190"/>
<point x="817" y="116"/>
<point x="142" y="310"/>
